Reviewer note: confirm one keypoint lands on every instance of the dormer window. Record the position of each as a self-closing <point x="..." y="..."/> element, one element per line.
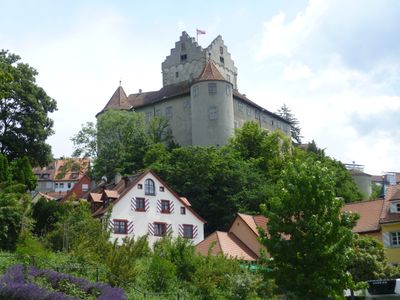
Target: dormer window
<point x="395" y="207"/>
<point x="149" y="187"/>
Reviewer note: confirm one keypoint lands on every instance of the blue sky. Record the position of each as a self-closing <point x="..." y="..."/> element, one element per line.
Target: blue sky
<point x="335" y="63"/>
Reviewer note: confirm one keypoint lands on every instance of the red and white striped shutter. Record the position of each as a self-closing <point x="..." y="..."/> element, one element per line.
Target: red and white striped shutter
<point x="133" y="203"/>
<point x="180" y="229"/>
<point x="111" y="225"/>
<point x="169" y="229"/>
<point x="195" y="231"/>
<point x="150" y="229"/>
<point x="147" y="204"/>
<point x="130" y="227"/>
<point x="171" y="207"/>
<point x="158" y="206"/>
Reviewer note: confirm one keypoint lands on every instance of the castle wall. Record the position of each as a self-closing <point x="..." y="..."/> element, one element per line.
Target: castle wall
<point x="178" y="112"/>
<point x="212" y="113"/>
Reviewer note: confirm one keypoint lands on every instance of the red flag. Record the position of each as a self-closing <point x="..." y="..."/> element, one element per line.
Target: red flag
<point x="198" y="31"/>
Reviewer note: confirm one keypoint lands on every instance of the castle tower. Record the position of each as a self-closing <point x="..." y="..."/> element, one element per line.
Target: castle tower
<point x="212" y="108"/>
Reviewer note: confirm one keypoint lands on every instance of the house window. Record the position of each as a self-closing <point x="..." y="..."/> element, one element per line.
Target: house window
<point x="228" y="90"/>
<point x="120" y="226"/>
<point x="161" y="189"/>
<point x="158" y="113"/>
<point x="188" y="231"/>
<point x="140" y="204"/>
<point x="395" y="207"/>
<point x="56" y="185"/>
<point x="183" y="210"/>
<point x="45" y="176"/>
<point x="168" y="112"/>
<point x="85" y="187"/>
<point x="140" y="186"/>
<point x="69" y="185"/>
<point x="213" y="113"/>
<point x="221" y="59"/>
<point x="61" y="185"/>
<point x="395" y="239"/>
<point x="195" y="91"/>
<point x="221" y="50"/>
<point x="149" y="187"/>
<point x="183" y="58"/>
<point x="160" y="229"/>
<point x="176" y="74"/>
<point x="212" y="88"/>
<point x="165" y="206"/>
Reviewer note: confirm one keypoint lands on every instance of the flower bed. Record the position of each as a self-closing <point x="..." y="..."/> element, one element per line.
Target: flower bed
<point x="21" y="282"/>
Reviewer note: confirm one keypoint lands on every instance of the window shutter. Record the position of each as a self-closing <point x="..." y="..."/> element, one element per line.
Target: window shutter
<point x="130" y="227"/>
<point x="169" y="228"/>
<point x="393" y="207"/>
<point x="133" y="203"/>
<point x="386" y="239"/>
<point x="151" y="229"/>
<point x="180" y="229"/>
<point x="195" y="231"/>
<point x="147" y="204"/>
<point x="171" y="207"/>
<point x="158" y="206"/>
<point x="111" y="225"/>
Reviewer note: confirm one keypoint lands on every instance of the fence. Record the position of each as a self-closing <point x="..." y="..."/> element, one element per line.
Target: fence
<point x="93" y="273"/>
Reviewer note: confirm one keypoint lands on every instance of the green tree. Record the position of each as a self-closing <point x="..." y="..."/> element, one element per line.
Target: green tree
<point x="45" y="214"/>
<point x="308" y="236"/>
<point x="5" y="174"/>
<point x="21" y="170"/>
<point x="85" y="141"/>
<point x="376" y="192"/>
<point x="24" y="108"/>
<point x="159" y="131"/>
<point x="287" y="114"/>
<point x="122" y="142"/>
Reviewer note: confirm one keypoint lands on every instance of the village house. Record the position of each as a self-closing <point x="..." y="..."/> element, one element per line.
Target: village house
<point x="144" y="204"/>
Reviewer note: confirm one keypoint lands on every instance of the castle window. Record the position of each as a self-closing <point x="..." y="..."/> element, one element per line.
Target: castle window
<point x="264" y="118"/>
<point x="148" y="116"/>
<point x="195" y="91"/>
<point x="183" y="58"/>
<point x="158" y="113"/>
<point x="272" y="122"/>
<point x="183" y="47"/>
<point x="241" y="106"/>
<point x="257" y="114"/>
<point x="168" y="112"/>
<point x="248" y="109"/>
<point x="213" y="113"/>
<point x="149" y="187"/>
<point x="221" y="50"/>
<point x="176" y="74"/>
<point x="228" y="90"/>
<point x="228" y="77"/>
<point x="221" y="59"/>
<point x="212" y="88"/>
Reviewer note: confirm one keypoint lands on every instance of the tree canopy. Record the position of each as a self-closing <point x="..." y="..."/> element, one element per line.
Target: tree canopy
<point x="24" y="107"/>
<point x="286" y="113"/>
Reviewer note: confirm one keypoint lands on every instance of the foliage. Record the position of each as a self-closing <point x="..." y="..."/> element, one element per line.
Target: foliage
<point x="121" y="143"/>
<point x="368" y="261"/>
<point x="376" y="192"/>
<point x="286" y="113"/>
<point x="45" y="214"/>
<point x="308" y="237"/>
<point x="85" y="141"/>
<point x="5" y="174"/>
<point x="159" y="131"/>
<point x="21" y="171"/>
<point x="24" y="109"/>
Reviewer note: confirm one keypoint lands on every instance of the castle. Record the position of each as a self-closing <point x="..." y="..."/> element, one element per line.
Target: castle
<point x="199" y="97"/>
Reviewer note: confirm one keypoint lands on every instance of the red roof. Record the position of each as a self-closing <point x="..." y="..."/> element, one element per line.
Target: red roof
<point x="210" y="72"/>
<point x="370" y="214"/>
<point x="391" y="195"/>
<point x="254" y="222"/>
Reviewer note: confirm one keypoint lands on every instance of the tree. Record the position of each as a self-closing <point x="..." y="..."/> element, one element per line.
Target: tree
<point x="5" y="174"/>
<point x="121" y="143"/>
<point x="24" y="108"/>
<point x="22" y="172"/>
<point x="159" y="131"/>
<point x="85" y="141"/>
<point x="308" y="236"/>
<point x="295" y="129"/>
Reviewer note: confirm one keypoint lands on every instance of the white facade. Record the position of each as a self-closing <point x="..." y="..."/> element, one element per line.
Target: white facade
<point x="139" y="212"/>
<point x="63" y="186"/>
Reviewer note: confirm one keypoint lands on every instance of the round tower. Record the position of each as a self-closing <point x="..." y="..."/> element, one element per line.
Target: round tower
<point x="212" y="108"/>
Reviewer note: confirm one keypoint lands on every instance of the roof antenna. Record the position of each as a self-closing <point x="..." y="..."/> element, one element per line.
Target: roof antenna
<point x="120" y="81"/>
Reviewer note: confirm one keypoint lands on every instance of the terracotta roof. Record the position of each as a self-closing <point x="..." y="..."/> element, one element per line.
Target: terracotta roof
<point x="118" y="100"/>
<point x="45" y="196"/>
<point x="186" y="201"/>
<point x="370" y="213"/>
<point x="210" y="72"/>
<point x="111" y="194"/>
<point x="254" y="221"/>
<point x="387" y="216"/>
<point x="95" y="197"/>
<point x="228" y="244"/>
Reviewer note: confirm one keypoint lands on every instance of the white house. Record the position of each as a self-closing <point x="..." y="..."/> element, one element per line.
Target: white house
<point x="146" y="205"/>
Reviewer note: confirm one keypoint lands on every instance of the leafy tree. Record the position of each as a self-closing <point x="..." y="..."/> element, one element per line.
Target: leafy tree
<point x="159" y="131"/>
<point x="121" y="143"/>
<point x="376" y="191"/>
<point x="5" y="174"/>
<point x="308" y="236"/>
<point x="286" y="114"/>
<point x="45" y="214"/>
<point x="24" y="108"/>
<point x="85" y="141"/>
<point x="22" y="173"/>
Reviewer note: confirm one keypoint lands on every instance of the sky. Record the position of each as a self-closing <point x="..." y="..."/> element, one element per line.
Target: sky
<point x="334" y="63"/>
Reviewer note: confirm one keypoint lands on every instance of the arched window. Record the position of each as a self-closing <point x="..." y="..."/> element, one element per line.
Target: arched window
<point x="149" y="187"/>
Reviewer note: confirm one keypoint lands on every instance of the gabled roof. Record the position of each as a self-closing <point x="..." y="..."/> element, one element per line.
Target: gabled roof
<point x="210" y="72"/>
<point x="391" y="195"/>
<point x="227" y="244"/>
<point x="76" y="189"/>
<point x="253" y="222"/>
<point x="111" y="194"/>
<point x="95" y="197"/>
<point x="118" y="100"/>
<point x="370" y="213"/>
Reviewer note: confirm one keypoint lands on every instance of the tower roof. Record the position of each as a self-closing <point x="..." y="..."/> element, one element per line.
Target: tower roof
<point x="210" y="72"/>
<point x="118" y="100"/>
